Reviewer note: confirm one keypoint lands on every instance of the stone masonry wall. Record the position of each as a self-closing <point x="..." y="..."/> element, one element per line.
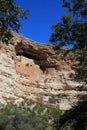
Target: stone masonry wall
<point x="27" y="67"/>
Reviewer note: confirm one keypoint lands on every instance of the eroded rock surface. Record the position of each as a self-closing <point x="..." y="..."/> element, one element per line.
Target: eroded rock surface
<point x="34" y="70"/>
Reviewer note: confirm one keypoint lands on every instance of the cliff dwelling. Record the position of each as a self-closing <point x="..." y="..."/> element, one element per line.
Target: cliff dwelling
<point x="32" y="62"/>
<point x="27" y="67"/>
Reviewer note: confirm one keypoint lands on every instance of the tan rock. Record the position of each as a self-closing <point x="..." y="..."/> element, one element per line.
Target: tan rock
<point x="34" y="70"/>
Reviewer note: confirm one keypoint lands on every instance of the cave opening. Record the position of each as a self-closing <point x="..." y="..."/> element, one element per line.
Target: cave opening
<point x="29" y="56"/>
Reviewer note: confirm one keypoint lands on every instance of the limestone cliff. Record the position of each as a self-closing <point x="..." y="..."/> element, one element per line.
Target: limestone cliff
<point x="34" y="70"/>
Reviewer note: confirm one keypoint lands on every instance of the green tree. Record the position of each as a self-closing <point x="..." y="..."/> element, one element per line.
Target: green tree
<point x="73" y="26"/>
<point x="10" y="14"/>
<point x="75" y="118"/>
<point x="21" y="117"/>
<point x="72" y="30"/>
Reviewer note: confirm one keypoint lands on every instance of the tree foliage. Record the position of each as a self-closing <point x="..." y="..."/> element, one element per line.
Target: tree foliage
<point x="73" y="26"/>
<point x="10" y="14"/>
<point x="27" y="115"/>
<point x="75" y="118"/>
<point x="73" y="30"/>
<point x="81" y="70"/>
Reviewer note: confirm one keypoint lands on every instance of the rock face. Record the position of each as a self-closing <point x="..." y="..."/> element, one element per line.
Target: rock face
<point x="34" y="70"/>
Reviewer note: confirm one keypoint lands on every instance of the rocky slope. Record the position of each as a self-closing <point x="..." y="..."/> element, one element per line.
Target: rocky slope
<point x="35" y="71"/>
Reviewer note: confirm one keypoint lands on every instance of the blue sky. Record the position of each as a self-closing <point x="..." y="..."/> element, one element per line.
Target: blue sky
<point x="43" y="13"/>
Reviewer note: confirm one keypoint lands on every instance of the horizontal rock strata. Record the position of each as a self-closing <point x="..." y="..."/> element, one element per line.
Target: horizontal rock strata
<point x="35" y="71"/>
